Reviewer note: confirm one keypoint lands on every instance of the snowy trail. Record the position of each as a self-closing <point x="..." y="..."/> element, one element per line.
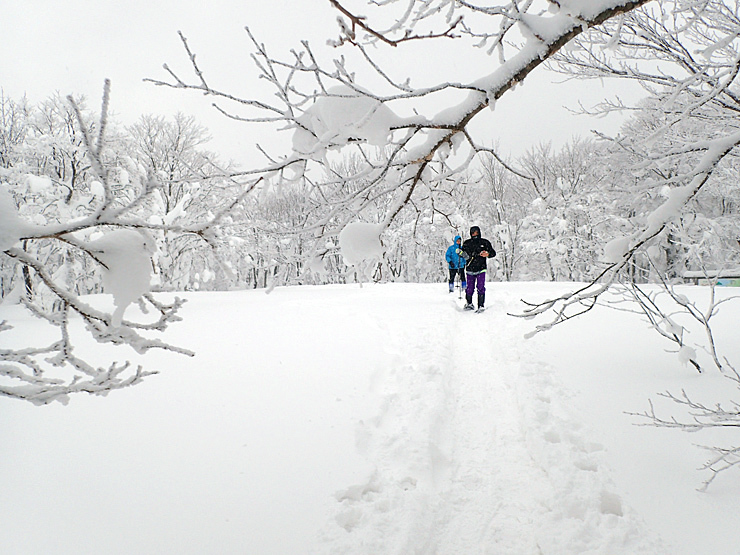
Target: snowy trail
<point x="469" y="427"/>
<point x="486" y="506"/>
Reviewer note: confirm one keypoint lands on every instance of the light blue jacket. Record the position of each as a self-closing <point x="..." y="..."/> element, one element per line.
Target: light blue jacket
<point x="454" y="260"/>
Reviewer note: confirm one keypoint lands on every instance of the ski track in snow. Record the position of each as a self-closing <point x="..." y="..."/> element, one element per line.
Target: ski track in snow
<point x="504" y="420"/>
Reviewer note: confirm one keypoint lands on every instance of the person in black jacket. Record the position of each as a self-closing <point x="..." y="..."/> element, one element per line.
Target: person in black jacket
<point x="476" y="251"/>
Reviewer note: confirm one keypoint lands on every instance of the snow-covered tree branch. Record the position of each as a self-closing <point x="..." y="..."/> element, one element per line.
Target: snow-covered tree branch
<point x="99" y="220"/>
<point x="408" y="152"/>
<point x="698" y="417"/>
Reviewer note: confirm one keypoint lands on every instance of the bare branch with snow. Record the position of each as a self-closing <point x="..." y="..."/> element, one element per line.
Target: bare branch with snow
<point x="123" y="253"/>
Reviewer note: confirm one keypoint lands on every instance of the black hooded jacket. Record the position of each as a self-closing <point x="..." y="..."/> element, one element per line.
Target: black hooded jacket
<point x="472" y="248"/>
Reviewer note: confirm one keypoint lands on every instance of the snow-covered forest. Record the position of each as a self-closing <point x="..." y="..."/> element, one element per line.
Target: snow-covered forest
<point x="381" y="161"/>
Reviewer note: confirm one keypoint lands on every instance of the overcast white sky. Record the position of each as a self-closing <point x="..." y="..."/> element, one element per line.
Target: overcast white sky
<point x="73" y="45"/>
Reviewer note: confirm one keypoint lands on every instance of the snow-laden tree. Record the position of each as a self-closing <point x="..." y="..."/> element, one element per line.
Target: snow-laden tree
<point x="192" y="185"/>
<point x="13" y="127"/>
<point x="567" y="210"/>
<point x="268" y="245"/>
<point x="549" y="211"/>
<point x="677" y="153"/>
<point x="497" y="198"/>
<point x="13" y="130"/>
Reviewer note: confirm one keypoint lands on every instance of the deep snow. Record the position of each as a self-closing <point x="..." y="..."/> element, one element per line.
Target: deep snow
<point x="373" y="420"/>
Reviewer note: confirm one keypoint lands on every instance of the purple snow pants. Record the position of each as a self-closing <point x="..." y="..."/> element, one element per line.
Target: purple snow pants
<point x="476" y="281"/>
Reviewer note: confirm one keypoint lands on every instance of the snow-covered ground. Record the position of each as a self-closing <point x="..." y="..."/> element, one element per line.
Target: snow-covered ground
<point x="374" y="420"/>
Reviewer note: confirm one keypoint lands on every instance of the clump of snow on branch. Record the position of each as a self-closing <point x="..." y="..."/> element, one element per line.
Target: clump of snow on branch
<point x="580" y="8"/>
<point x="341" y="117"/>
<point x="127" y="273"/>
<point x="543" y="28"/>
<point x="686" y="354"/>
<point x="616" y="249"/>
<point x="360" y="242"/>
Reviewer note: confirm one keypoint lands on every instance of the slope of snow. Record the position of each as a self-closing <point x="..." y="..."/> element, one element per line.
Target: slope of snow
<point x="368" y="420"/>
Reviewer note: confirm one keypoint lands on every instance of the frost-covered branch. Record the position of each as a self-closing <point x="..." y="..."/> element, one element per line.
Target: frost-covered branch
<point x="699" y="417"/>
<point x="703" y="318"/>
<point x="349" y="32"/>
<point x="724" y="458"/>
<point x="110" y="239"/>
<point x="664" y="318"/>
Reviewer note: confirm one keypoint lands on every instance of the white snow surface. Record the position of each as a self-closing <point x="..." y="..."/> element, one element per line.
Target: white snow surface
<point x="371" y="420"/>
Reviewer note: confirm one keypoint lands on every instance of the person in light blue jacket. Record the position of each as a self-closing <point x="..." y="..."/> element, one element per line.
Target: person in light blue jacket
<point x="455" y="263"/>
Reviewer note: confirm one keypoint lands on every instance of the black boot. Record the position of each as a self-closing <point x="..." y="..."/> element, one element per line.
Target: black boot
<point x="481" y="299"/>
<point x="469" y="303"/>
